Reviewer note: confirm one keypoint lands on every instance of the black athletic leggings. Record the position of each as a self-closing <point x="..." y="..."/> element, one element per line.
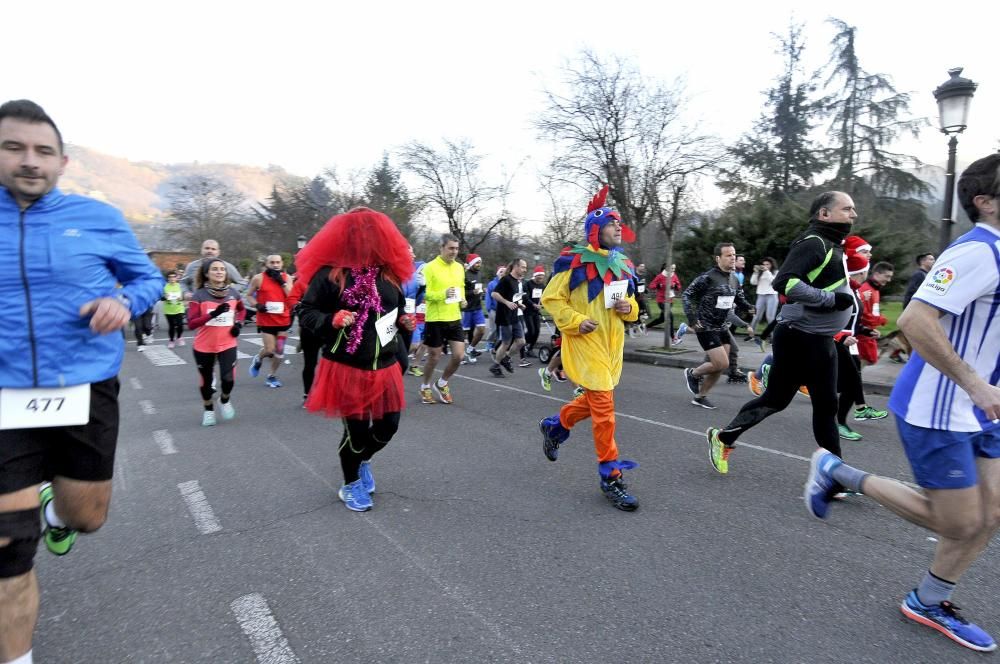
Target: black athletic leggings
<point x="310" y="345"/>
<point x="142" y="325"/>
<point x="175" y="325"/>
<point x="362" y="439"/>
<point x="849" y="384"/>
<point x="206" y="367"/>
<point x="532" y="327"/>
<point x="800" y="358"/>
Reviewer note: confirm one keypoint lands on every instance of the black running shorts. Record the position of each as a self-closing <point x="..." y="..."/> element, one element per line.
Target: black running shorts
<point x="437" y="332"/>
<point x="710" y="339"/>
<point x="86" y="452"/>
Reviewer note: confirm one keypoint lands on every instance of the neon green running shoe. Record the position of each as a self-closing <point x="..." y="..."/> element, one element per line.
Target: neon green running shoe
<point x="718" y="453"/>
<point x="869" y="413"/>
<point x="57" y="540"/>
<point x="847" y="433"/>
<point x="546" y="379"/>
<point x="579" y="392"/>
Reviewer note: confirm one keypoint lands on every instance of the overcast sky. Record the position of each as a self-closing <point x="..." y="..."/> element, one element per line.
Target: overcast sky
<point x="311" y="85"/>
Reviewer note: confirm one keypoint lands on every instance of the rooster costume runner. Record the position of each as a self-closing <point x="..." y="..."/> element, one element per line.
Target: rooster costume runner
<point x="354" y="267"/>
<point x="590" y="297"/>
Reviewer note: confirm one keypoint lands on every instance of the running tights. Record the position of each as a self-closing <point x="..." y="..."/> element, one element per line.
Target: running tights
<point x="800" y="358"/>
<point x="175" y="325"/>
<point x="362" y="439"/>
<point x="309" y="344"/>
<point x="206" y="367"/>
<point x="852" y="392"/>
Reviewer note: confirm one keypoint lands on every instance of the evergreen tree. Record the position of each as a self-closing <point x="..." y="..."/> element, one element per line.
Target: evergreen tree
<point x="867" y="115"/>
<point x="384" y="191"/>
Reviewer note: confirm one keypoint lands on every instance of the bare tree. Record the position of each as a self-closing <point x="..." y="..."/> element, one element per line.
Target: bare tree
<point x="563" y="221"/>
<point x="449" y="180"/>
<point x="616" y="127"/>
<point x="203" y="207"/>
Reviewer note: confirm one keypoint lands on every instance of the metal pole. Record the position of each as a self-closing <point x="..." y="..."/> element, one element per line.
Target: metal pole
<point x="947" y="220"/>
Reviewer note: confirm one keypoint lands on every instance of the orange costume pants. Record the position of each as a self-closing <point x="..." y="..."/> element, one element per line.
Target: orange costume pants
<point x="600" y="407"/>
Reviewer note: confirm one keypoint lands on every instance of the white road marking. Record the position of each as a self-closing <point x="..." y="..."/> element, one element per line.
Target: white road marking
<point x="290" y="349"/>
<point x="147" y="407"/>
<point x="163" y="438"/>
<point x="198" y="505"/>
<point x="258" y="623"/>
<point x="161" y="356"/>
<point x="136" y="385"/>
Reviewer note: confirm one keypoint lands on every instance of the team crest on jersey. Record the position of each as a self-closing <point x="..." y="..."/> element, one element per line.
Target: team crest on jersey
<point x="941" y="280"/>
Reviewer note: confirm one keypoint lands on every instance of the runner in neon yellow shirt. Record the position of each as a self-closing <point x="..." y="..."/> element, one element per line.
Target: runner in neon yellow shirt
<point x="445" y="297"/>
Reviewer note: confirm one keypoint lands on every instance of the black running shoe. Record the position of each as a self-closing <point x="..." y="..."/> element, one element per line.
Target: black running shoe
<point x="693" y="382"/>
<point x="616" y="491"/>
<point x="737" y="377"/>
<point x="703" y="402"/>
<point x="496" y="370"/>
<point x="507" y="364"/>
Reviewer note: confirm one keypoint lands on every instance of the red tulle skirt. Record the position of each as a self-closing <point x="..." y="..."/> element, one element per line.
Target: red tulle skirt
<point x="339" y="390"/>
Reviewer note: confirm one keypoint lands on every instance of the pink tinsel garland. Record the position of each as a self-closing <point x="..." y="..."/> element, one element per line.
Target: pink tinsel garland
<point x="363" y="298"/>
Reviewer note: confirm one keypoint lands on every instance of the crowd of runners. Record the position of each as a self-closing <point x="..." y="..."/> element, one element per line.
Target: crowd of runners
<point x="369" y="313"/>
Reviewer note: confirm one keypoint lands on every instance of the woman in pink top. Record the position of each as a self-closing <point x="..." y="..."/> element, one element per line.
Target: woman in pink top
<point x="216" y="312"/>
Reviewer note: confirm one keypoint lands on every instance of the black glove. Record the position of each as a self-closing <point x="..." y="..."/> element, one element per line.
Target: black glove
<point x="235" y="329"/>
<point x="276" y="275"/>
<point x="842" y="301"/>
<point x="261" y="308"/>
<point x="221" y="309"/>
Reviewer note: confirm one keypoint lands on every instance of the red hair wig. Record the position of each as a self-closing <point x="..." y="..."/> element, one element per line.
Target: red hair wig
<point x="356" y="239"/>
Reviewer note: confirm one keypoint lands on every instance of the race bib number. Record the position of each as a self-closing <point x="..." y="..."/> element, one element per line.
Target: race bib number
<point x="457" y="297"/>
<point x="853" y="349"/>
<point x="274" y="307"/>
<point x="33" y="408"/>
<point x="725" y="301"/>
<point x="422" y="308"/>
<point x="386" y="327"/>
<point x="536" y="293"/>
<point x="517" y="298"/>
<point x="478" y="288"/>
<point x="877" y="309"/>
<point x="615" y="292"/>
<point x="411" y="305"/>
<point x="222" y="320"/>
<point x="173" y="297"/>
<point x="642" y="288"/>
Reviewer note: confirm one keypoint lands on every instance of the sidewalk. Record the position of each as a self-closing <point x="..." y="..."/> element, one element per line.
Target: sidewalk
<point x="878" y="379"/>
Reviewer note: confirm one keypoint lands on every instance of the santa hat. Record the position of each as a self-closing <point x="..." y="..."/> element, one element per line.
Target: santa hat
<point x="539" y="270"/>
<point x="472" y="259"/>
<point x="856" y="264"/>
<point x="855" y="243"/>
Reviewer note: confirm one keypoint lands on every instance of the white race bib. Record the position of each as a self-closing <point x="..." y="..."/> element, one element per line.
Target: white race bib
<point x="725" y="302"/>
<point x="422" y="308"/>
<point x="536" y="293"/>
<point x="32" y="408"/>
<point x="478" y="288"/>
<point x="274" y="307"/>
<point x="642" y="288"/>
<point x="386" y="327"/>
<point x="411" y="305"/>
<point x="614" y="292"/>
<point x="853" y="349"/>
<point x="222" y="320"/>
<point x="876" y="309"/>
<point x="173" y="296"/>
<point x="453" y="300"/>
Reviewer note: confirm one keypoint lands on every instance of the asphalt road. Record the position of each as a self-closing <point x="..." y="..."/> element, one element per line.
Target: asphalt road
<point x="228" y="544"/>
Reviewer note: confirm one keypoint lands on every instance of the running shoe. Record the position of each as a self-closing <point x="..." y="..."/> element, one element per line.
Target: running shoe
<point x="180" y="341"/>
<point x="897" y="359"/>
<point x="426" y="396"/>
<point x="945" y="619"/>
<point x="820" y="487"/>
<point x="367" y="479"/>
<point x="703" y="402"/>
<point x="804" y="391"/>
<point x="681" y="331"/>
<point x="227" y="410"/>
<point x="561" y="376"/>
<point x="524" y="363"/>
<point x="140" y="349"/>
<point x="553" y="435"/>
<point x="415" y="371"/>
<point x="615" y="490"/>
<point x="717" y="451"/>
<point x="755" y="384"/>
<point x="546" y="379"/>
<point x="507" y="364"/>
<point x="737" y="376"/>
<point x="443" y="393"/>
<point x="272" y="381"/>
<point x="57" y="540"/>
<point x="496" y="370"/>
<point x="355" y="497"/>
<point x="475" y="352"/>
<point x="170" y="344"/>
<point x="760" y="343"/>
<point x="578" y="392"/>
<point x="255" y="366"/>
<point x="693" y="382"/>
<point x="869" y="413"/>
<point x="208" y="418"/>
<point x="847" y="433"/>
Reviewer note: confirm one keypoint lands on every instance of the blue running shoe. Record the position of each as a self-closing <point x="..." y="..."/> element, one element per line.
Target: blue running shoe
<point x="616" y="491"/>
<point x="681" y="331"/>
<point x="355" y="497"/>
<point x="272" y="381"/>
<point x="255" y="366"/>
<point x="553" y="435"/>
<point x="820" y="487"/>
<point x="367" y="479"/>
<point x="945" y="619"/>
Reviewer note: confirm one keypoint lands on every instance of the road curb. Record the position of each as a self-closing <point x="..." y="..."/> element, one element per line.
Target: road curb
<point x="685" y="359"/>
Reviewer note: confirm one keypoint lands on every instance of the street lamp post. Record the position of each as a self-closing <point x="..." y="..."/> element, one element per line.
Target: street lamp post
<point x="953" y="97"/>
<point x="300" y="241"/>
